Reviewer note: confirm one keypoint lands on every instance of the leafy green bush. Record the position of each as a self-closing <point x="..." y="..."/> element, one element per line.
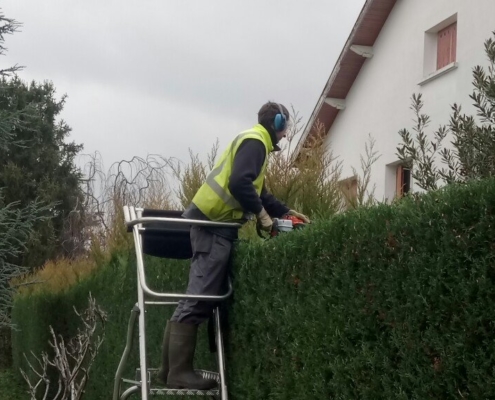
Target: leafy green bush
<point x="11" y="384"/>
<point x="472" y="139"/>
<point x="388" y="302"/>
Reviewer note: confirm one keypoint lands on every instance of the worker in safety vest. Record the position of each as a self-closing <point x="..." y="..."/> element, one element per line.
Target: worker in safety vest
<point x="234" y="190"/>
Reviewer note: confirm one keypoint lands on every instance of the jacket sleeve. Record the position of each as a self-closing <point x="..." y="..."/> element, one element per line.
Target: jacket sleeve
<point x="246" y="167"/>
<point x="273" y="207"/>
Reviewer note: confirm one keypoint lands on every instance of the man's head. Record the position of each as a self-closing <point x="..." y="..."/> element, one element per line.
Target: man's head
<point x="274" y="117"/>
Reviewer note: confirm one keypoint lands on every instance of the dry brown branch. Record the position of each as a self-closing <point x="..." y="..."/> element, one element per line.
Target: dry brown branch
<point x="72" y="361"/>
<point x="141" y="182"/>
<point x="306" y="180"/>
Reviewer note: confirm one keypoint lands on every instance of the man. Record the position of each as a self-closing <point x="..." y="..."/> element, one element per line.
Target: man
<point x="234" y="190"/>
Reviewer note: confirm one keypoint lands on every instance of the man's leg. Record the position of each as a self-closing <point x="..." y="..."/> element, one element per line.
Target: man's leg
<point x="208" y="272"/>
<point x="207" y="275"/>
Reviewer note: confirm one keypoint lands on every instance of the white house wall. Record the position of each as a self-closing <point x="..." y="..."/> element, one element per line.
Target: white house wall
<point x="379" y="101"/>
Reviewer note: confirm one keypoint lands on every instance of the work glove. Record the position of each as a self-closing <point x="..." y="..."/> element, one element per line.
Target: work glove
<point x="264" y="221"/>
<point x="299" y="215"/>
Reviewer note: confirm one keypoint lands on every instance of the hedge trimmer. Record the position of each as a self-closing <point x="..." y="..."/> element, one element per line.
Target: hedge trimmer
<point x="285" y="224"/>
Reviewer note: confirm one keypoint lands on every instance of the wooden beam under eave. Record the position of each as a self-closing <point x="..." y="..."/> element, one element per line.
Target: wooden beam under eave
<point x="339" y="104"/>
<point x="363" y="51"/>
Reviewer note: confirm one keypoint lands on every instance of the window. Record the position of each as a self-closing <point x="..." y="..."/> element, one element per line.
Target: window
<point x="440" y="49"/>
<point x="349" y="188"/>
<point x="446" y="46"/>
<point x="403" y="181"/>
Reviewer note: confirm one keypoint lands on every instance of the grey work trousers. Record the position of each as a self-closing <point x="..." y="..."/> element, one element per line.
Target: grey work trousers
<point x="208" y="274"/>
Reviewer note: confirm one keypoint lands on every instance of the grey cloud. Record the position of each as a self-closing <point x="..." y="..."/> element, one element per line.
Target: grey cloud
<point x="177" y="66"/>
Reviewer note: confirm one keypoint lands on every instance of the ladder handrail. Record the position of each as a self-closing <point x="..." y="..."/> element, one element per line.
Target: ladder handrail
<point x="132" y="220"/>
<point x="183" y="221"/>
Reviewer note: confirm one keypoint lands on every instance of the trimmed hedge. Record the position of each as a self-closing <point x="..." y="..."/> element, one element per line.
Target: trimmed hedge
<point x="392" y="302"/>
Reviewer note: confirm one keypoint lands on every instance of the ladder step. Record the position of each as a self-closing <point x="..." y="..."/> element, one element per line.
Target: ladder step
<point x="164" y="391"/>
<point x="183" y="392"/>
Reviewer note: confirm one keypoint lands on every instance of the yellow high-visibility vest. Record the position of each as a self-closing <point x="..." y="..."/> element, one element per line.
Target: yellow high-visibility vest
<point x="213" y="197"/>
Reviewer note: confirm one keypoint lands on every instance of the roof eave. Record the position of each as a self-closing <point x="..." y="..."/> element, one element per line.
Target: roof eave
<point x="331" y="80"/>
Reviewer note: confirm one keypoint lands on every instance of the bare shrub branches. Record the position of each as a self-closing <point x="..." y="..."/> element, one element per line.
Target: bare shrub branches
<point x="139" y="182"/>
<point x="72" y="360"/>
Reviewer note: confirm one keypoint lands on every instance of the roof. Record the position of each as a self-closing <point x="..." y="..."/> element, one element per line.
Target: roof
<point x="355" y="52"/>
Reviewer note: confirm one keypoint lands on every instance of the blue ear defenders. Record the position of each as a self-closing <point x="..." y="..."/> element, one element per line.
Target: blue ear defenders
<point x="280" y="121"/>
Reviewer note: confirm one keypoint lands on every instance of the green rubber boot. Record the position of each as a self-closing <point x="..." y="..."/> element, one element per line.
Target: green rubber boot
<point x="181" y="354"/>
<point x="163" y="372"/>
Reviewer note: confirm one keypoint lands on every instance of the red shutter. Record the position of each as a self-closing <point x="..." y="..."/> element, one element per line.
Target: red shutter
<point x="441" y="49"/>
<point x="447" y="46"/>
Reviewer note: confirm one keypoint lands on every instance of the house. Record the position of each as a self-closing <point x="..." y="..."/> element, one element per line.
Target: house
<point x="398" y="48"/>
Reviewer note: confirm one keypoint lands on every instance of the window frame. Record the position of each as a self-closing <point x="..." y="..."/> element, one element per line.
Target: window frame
<point x="430" y="57"/>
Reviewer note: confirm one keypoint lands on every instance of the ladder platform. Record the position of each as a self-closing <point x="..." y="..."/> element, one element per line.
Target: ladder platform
<point x="164" y="391"/>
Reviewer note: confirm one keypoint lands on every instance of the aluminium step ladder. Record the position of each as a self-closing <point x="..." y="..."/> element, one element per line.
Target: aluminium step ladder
<point x="164" y="234"/>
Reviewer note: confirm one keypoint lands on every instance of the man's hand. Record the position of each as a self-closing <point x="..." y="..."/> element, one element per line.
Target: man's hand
<point x="264" y="221"/>
<point x="299" y="215"/>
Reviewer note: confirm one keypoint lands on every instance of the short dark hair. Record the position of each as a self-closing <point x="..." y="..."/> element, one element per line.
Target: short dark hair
<point x="268" y="111"/>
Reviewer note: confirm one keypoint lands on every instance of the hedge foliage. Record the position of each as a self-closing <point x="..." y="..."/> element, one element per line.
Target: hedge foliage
<point x="391" y="302"/>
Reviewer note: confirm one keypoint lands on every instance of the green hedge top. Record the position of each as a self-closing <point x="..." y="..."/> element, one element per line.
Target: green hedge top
<point x="388" y="302"/>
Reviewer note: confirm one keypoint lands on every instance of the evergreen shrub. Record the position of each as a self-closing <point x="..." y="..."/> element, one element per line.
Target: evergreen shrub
<point x="388" y="302"/>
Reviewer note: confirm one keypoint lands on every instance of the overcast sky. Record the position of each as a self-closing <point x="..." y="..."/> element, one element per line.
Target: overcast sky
<point x="161" y="76"/>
